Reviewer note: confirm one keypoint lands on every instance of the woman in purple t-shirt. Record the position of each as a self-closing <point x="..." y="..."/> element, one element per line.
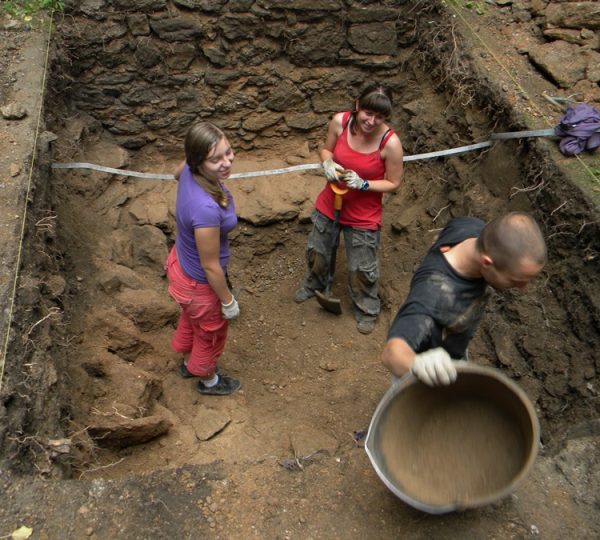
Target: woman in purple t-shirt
<point x="197" y="264"/>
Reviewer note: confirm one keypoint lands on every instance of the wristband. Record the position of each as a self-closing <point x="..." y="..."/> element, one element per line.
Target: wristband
<point x="230" y="303"/>
<point x="364" y="186"/>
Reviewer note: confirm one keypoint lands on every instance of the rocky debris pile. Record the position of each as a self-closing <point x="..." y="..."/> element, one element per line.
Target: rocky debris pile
<point x="568" y="51"/>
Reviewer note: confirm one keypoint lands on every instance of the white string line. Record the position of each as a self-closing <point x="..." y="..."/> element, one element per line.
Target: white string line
<point x="309" y="166"/>
<point x="13" y="291"/>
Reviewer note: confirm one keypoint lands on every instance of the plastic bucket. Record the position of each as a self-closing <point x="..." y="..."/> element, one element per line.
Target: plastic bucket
<point x="453" y="447"/>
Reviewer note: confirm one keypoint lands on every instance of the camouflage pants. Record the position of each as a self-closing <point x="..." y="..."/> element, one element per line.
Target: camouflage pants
<point x="361" y="254"/>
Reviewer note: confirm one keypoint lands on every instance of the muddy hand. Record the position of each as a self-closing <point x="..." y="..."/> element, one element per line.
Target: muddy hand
<point x="331" y="167"/>
<point x="434" y="367"/>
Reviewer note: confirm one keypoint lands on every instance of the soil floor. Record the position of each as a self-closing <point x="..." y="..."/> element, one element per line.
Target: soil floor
<point x="282" y="458"/>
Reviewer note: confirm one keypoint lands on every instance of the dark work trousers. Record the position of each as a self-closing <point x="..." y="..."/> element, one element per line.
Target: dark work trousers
<point x="361" y="255"/>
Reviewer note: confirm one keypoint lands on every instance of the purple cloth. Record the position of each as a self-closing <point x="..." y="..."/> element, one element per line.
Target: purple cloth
<point x="579" y="128"/>
<point x="196" y="209"/>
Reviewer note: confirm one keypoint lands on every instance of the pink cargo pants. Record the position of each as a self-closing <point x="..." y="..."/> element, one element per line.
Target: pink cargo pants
<point x="201" y="330"/>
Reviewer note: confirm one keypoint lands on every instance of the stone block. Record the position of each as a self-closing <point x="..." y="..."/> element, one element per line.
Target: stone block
<point x="373" y="38"/>
<point x="333" y="100"/>
<point x="149" y="242"/>
<point x="150" y="208"/>
<point x="315" y="44"/>
<point x="128" y="432"/>
<point x="95" y="9"/>
<point x="260" y="121"/>
<point x="211" y="6"/>
<point x="239" y="26"/>
<point x="259" y="51"/>
<point x="593" y="67"/>
<point x="221" y="77"/>
<point x="215" y="54"/>
<point x="209" y="422"/>
<point x="301" y="5"/>
<point x="149" y="309"/>
<point x="239" y="5"/>
<point x="305" y="121"/>
<point x="371" y="14"/>
<point x="114" y="278"/>
<point x="138" y="24"/>
<point x="284" y="96"/>
<point x="562" y="62"/>
<point x="573" y="14"/>
<point x="139" y="5"/>
<point x="177" y="29"/>
<point x="126" y="126"/>
<point x="147" y="55"/>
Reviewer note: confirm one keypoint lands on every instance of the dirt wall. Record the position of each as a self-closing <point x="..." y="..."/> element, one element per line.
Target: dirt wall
<point x="563" y="368"/>
<point x="34" y="406"/>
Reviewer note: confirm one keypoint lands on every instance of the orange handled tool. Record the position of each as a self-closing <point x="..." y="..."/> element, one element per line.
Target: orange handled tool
<point x="325" y="299"/>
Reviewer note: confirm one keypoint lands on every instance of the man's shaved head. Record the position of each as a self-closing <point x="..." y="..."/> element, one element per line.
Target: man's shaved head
<point x="512" y="239"/>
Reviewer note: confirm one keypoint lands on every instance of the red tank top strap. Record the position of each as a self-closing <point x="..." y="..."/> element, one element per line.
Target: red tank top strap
<point x="385" y="138"/>
<point x="346" y="120"/>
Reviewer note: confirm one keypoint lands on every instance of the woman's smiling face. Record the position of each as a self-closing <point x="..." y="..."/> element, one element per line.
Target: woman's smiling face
<point x="217" y="165"/>
<point x="369" y="121"/>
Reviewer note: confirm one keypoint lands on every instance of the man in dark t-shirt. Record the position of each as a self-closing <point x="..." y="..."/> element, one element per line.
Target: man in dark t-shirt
<point x="449" y="290"/>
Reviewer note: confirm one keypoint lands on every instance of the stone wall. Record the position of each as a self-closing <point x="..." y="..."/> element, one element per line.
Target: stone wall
<point x="261" y="69"/>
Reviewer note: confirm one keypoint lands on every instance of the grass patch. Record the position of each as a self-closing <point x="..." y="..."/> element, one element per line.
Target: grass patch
<point x="24" y="8"/>
<point x="478" y="6"/>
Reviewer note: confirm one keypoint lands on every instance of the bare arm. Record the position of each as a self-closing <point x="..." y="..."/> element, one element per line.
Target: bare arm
<point x="208" y="246"/>
<point x="333" y="132"/>
<point x="398" y="356"/>
<point x="393" y="155"/>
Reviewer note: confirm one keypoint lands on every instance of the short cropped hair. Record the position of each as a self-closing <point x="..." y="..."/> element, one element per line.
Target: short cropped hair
<point x="512" y="238"/>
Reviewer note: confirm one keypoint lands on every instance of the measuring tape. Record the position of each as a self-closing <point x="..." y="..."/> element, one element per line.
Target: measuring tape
<point x="312" y="166"/>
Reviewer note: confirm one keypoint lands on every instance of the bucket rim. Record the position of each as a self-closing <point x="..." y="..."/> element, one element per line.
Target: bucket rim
<point x="408" y="380"/>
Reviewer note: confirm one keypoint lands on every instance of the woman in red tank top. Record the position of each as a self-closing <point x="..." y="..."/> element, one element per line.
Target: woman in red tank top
<point x="361" y="152"/>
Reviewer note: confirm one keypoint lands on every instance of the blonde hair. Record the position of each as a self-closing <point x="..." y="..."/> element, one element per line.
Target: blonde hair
<point x="200" y="139"/>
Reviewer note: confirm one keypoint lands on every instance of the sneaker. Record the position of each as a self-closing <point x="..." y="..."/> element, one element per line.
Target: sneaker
<point x="366" y="326"/>
<point x="225" y="387"/>
<point x="303" y="294"/>
<point x="183" y="371"/>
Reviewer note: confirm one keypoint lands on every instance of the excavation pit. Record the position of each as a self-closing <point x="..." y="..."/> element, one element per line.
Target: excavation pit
<point x="89" y="352"/>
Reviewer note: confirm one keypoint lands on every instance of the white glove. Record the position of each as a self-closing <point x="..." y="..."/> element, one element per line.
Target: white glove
<point x="434" y="367"/>
<point x="330" y="167"/>
<point x="355" y="182"/>
<point x="231" y="310"/>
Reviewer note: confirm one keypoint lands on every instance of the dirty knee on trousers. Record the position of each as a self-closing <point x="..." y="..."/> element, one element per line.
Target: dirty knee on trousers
<point x="318" y="263"/>
<point x="316" y="276"/>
